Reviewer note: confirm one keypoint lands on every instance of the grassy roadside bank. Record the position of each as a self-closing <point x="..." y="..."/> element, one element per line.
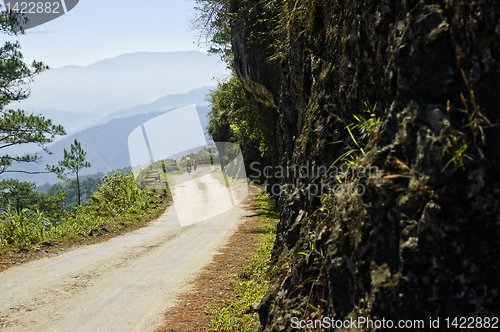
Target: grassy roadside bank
<point x="119" y="204"/>
<point x="251" y="282"/>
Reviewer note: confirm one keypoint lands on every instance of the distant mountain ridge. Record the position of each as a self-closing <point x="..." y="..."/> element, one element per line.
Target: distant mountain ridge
<point x="77" y="121"/>
<point x="102" y="103"/>
<point x="122" y="82"/>
<point x="196" y="96"/>
<point x="106" y="146"/>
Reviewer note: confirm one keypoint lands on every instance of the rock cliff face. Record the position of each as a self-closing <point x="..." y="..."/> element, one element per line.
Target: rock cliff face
<point x="423" y="239"/>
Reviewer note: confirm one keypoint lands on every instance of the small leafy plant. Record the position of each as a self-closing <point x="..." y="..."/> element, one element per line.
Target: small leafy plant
<point x="475" y="120"/>
<point x="456" y="148"/>
<point x="365" y="127"/>
<point x="460" y="146"/>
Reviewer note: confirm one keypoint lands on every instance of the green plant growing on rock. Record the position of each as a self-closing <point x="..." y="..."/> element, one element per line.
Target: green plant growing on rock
<point x="291" y="17"/>
<point x="326" y="207"/>
<point x="404" y="171"/>
<point x="316" y="299"/>
<point x="475" y="120"/>
<point x="457" y="142"/>
<point x="456" y="148"/>
<point x="365" y="127"/>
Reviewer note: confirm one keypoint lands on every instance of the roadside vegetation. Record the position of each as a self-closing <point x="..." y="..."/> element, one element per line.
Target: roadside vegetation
<point x="89" y="184"/>
<point x="75" y="209"/>
<point x="117" y="202"/>
<point x="234" y="118"/>
<point x="252" y="281"/>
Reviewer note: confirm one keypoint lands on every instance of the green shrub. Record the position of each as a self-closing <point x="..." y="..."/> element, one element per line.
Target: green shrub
<point x="118" y="199"/>
<point x="23" y="228"/>
<point x="120" y="194"/>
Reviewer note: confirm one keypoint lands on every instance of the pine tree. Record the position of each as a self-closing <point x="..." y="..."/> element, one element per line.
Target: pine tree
<point x="16" y="126"/>
<point x="73" y="162"/>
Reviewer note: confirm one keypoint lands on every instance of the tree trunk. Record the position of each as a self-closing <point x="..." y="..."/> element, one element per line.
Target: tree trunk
<point x="78" y="187"/>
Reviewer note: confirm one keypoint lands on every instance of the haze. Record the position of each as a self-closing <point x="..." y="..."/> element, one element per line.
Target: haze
<point x="105" y="66"/>
<point x="96" y="30"/>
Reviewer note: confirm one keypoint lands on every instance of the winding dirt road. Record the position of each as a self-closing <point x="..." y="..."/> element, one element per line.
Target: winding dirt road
<point x="126" y="283"/>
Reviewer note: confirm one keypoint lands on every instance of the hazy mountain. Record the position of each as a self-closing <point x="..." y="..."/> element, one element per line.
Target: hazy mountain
<point x="71" y="121"/>
<point x="197" y="97"/>
<point x="122" y="82"/>
<point x="106" y="146"/>
<point x="76" y="121"/>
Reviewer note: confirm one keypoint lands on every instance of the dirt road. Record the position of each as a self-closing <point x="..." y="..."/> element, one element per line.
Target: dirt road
<point x="126" y="283"/>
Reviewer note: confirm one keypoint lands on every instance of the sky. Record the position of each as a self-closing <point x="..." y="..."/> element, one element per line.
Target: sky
<point x="100" y="29"/>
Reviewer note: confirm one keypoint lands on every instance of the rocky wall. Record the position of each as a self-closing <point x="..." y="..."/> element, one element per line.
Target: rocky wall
<point x="423" y="239"/>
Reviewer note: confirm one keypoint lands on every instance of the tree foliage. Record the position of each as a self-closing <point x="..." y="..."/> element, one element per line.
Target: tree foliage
<point x="72" y="163"/>
<point x="212" y="21"/>
<point x="15" y="75"/>
<point x="10" y="21"/>
<point x="88" y="187"/>
<point x="16" y="126"/>
<point x="22" y="195"/>
<point x="266" y="22"/>
<point x="117" y="202"/>
<point x="234" y="118"/>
